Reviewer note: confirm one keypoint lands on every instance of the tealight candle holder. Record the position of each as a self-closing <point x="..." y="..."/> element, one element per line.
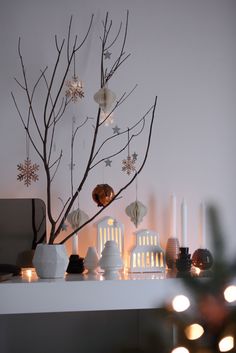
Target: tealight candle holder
<point x="203" y="259"/>
<point x="76" y="264"/>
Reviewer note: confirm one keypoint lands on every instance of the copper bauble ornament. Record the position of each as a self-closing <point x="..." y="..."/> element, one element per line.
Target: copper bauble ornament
<point x="103" y="194"/>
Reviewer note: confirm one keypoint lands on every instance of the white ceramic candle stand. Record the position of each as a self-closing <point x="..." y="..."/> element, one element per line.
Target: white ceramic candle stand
<point x="91" y="260"/>
<point x="111" y="261"/>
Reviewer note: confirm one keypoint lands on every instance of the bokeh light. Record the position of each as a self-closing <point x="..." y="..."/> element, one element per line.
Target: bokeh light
<point x="230" y="294"/>
<point x="226" y="344"/>
<point x="194" y="331"/>
<point x="180" y="350"/>
<point x="180" y="303"/>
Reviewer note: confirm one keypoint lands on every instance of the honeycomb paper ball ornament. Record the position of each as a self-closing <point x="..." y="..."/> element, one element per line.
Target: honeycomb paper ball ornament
<point x="136" y="211"/>
<point x="103" y="194"/>
<point x="77" y="218"/>
<point x="105" y="98"/>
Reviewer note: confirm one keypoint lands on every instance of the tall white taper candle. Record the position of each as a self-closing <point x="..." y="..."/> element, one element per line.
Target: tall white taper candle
<point x="184" y="215"/>
<point x="75" y="244"/>
<point x="173" y="222"/>
<point x="202" y="225"/>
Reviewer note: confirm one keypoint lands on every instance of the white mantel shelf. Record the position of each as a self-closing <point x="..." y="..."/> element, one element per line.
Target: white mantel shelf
<point x="76" y="293"/>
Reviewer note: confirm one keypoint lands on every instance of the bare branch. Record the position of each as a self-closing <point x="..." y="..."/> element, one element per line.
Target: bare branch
<point x="63" y="208"/>
<point x="86" y="36"/>
<point x="57" y="163"/>
<point x="115" y="39"/>
<point x="25" y="127"/>
<point x="68" y="40"/>
<point x="23" y="87"/>
<point x="26" y="88"/>
<point x="120" y="101"/>
<point x="121" y="133"/>
<point x="126" y="185"/>
<point x="123" y="148"/>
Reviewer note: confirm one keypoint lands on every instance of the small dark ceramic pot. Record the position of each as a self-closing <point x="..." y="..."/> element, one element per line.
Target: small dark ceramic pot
<point x="76" y="264"/>
<point x="202" y="258"/>
<point x="184" y="262"/>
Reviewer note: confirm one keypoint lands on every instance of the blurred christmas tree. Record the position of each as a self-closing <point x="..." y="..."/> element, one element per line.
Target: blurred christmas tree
<point x="205" y="322"/>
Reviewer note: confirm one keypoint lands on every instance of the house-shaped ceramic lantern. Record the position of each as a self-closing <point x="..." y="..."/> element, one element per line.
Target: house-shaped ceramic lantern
<point x="147" y="255"/>
<point x="110" y="229"/>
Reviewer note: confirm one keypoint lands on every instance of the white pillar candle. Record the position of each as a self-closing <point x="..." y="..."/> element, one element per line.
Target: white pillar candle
<point x="75" y="244"/>
<point x="173" y="223"/>
<point x="202" y="225"/>
<point x="184" y="214"/>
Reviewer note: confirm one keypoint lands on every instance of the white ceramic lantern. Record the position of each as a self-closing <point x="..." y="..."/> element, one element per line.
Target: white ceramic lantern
<point x="147" y="255"/>
<point x="110" y="229"/>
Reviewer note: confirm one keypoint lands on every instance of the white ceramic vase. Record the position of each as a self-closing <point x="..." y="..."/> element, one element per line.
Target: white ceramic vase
<point x="111" y="261"/>
<point x="50" y="260"/>
<point x="91" y="260"/>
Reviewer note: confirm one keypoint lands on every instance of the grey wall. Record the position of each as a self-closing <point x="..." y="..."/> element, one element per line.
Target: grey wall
<point x="184" y="51"/>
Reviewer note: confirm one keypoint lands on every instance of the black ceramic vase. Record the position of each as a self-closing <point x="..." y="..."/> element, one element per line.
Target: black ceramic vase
<point x="183" y="262"/>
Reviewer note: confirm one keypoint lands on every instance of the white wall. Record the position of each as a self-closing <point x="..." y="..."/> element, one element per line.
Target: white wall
<point x="184" y="51"/>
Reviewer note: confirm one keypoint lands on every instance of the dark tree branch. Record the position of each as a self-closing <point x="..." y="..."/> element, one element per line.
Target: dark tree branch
<point x="126" y="185"/>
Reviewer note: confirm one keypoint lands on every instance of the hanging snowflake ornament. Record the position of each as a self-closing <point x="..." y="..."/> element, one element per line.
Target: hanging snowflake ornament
<point x="74" y="89"/>
<point x="128" y="165"/>
<point x="27" y="172"/>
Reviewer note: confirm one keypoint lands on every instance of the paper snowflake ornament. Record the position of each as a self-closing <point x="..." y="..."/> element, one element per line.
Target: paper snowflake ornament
<point x="128" y="164"/>
<point x="27" y="172"/>
<point x="74" y="89"/>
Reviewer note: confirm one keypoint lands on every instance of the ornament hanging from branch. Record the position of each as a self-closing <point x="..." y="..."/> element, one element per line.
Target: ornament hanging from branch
<point x="107" y="55"/>
<point x="136" y="211"/>
<point x="105" y="98"/>
<point x="77" y="218"/>
<point x="116" y="130"/>
<point x="74" y="89"/>
<point x="74" y="86"/>
<point x="103" y="194"/>
<point x="128" y="164"/>
<point x="108" y="162"/>
<point x="27" y="170"/>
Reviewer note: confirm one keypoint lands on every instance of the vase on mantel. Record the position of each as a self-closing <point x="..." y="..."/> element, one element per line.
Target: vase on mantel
<point x="172" y="251"/>
<point x="50" y="260"/>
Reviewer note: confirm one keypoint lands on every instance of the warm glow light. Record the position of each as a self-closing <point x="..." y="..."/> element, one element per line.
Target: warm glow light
<point x="29" y="273"/>
<point x="194" y="331"/>
<point x="180" y="350"/>
<point x="110" y="222"/>
<point x="226" y="344"/>
<point x="197" y="270"/>
<point x="230" y="294"/>
<point x="180" y="303"/>
<point x="107" y="117"/>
